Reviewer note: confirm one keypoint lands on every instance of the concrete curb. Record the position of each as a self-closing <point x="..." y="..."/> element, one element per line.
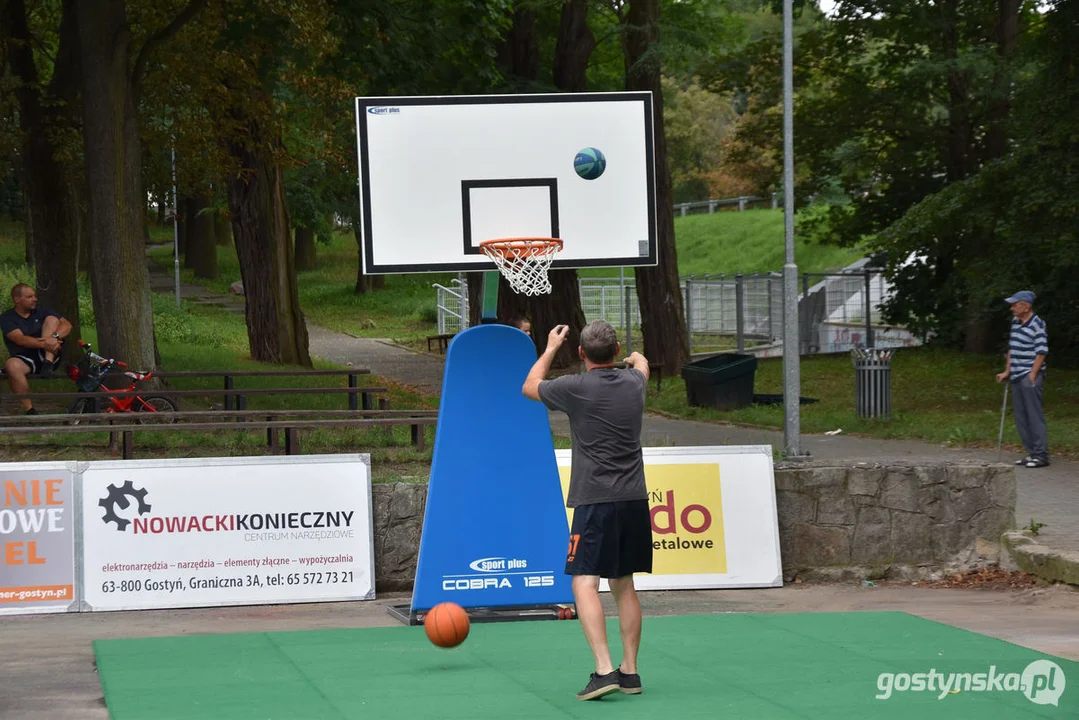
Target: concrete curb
<point x="1041" y="560"/>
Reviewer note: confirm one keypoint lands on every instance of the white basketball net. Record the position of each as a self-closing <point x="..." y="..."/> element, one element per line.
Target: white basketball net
<point x="524" y="262"/>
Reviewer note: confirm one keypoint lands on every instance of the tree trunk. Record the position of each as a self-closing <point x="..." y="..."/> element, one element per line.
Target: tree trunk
<point x="260" y="228"/>
<point x="361" y="286"/>
<point x="364" y="283"/>
<point x="659" y="296"/>
<point x="191" y="207"/>
<point x="573" y="48"/>
<point x="960" y="159"/>
<point x="222" y="228"/>
<point x="181" y="226"/>
<point x="201" y="245"/>
<point x="305" y="249"/>
<point x="475" y="297"/>
<point x="1007" y="32"/>
<point x="518" y="54"/>
<point x="28" y="215"/>
<point x="119" y="276"/>
<point x="51" y="215"/>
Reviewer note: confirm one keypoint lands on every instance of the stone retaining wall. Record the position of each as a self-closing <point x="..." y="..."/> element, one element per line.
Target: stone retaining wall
<point x="878" y="521"/>
<point x="834" y="522"/>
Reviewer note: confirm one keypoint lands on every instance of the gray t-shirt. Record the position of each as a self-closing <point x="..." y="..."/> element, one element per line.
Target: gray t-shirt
<point x="606" y="410"/>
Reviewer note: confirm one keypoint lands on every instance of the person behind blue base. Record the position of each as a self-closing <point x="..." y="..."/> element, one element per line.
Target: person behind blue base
<point x="611" y="536"/>
<point x="1028" y="348"/>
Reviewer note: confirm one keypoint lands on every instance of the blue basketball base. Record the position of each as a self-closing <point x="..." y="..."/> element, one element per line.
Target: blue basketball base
<point x="494" y="531"/>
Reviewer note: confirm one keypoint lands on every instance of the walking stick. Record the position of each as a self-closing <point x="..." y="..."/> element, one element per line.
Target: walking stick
<point x="1003" y="410"/>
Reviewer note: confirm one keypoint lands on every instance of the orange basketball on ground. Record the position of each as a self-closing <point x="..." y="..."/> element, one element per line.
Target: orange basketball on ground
<point x="446" y="625"/>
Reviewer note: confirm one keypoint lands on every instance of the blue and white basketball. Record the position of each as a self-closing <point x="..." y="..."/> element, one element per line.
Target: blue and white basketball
<point x="589" y="163"/>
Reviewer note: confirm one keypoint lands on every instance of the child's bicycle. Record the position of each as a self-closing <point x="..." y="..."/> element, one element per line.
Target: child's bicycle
<point x="89" y="376"/>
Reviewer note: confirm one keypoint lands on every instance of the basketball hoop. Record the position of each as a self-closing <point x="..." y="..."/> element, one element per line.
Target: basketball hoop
<point x="524" y="262"/>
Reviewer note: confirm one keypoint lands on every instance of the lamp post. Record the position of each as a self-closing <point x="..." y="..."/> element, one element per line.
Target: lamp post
<point x="791" y="371"/>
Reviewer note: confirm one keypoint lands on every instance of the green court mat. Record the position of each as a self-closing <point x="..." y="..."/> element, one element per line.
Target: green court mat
<point x="759" y="666"/>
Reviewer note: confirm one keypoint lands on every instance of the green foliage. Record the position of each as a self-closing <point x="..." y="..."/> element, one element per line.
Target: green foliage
<point x="187" y="325"/>
<point x="697" y="123"/>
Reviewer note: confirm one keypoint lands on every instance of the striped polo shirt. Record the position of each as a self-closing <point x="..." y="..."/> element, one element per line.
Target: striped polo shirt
<point x="1028" y="340"/>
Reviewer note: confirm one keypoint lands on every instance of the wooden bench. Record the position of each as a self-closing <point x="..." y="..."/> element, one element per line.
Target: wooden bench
<point x="443" y="341"/>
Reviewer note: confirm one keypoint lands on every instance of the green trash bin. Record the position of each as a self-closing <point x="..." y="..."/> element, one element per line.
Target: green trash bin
<point x="723" y="382"/>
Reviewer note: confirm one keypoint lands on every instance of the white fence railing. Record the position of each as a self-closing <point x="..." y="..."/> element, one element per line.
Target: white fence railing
<point x="837" y="311"/>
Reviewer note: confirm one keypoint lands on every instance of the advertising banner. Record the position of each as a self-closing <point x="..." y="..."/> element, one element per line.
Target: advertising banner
<point x="714" y="522"/>
<point x="227" y="531"/>
<point x="37" y="538"/>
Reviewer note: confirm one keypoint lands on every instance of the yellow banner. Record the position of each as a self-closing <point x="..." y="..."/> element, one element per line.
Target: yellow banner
<point x="686" y="504"/>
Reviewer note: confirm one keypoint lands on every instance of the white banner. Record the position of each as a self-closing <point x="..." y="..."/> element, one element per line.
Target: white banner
<point x="714" y="522"/>
<point x="227" y="531"/>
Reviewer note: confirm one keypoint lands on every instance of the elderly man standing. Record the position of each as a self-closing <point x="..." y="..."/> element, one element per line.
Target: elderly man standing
<point x="1025" y="369"/>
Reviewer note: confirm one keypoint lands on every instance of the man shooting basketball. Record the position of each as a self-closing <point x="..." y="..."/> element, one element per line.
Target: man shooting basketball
<point x="611" y="535"/>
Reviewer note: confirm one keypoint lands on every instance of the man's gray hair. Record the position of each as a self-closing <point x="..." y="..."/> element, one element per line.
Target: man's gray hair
<point x="599" y="341"/>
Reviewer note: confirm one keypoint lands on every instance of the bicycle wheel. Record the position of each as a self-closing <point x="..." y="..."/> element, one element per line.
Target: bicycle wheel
<point x="80" y="406"/>
<point x="160" y="410"/>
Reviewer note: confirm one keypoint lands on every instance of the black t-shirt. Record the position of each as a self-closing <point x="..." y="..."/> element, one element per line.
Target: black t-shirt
<point x="30" y="326"/>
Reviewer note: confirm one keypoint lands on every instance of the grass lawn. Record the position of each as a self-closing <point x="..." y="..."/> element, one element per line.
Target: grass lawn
<point x="405" y="310"/>
<point x="940" y="396"/>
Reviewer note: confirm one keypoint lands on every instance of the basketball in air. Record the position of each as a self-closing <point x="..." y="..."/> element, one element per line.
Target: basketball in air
<point x="446" y="625"/>
<point x="589" y="163"/>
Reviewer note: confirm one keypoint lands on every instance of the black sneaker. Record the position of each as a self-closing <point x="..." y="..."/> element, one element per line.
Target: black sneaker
<point x="46" y="371"/>
<point x="629" y="683"/>
<point x="1024" y="461"/>
<point x="32" y="411"/>
<point x="599" y="685"/>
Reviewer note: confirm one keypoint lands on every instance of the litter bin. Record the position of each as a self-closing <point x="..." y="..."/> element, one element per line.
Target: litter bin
<point x="872" y="382"/>
<point x="723" y="382"/>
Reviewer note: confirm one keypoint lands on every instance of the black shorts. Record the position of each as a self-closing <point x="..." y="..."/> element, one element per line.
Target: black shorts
<point x="611" y="540"/>
<point x="36" y="361"/>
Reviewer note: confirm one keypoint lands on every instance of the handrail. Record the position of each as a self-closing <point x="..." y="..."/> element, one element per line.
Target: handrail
<point x="291" y="428"/>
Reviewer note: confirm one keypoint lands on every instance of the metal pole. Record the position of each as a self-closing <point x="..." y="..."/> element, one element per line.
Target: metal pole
<point x="868" y="312"/>
<point x="175" y="230"/>
<point x="739" y="312"/>
<point x="689" y="315"/>
<point x="624" y="303"/>
<point x="629" y="322"/>
<point x="791" y="371"/>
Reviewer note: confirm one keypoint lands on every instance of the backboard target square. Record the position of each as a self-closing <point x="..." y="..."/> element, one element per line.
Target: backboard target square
<point x="439" y="175"/>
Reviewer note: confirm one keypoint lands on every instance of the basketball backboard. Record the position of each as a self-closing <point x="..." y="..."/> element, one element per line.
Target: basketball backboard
<point x="439" y="175"/>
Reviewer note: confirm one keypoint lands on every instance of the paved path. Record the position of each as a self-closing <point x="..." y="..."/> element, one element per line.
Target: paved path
<point x="1047" y="495"/>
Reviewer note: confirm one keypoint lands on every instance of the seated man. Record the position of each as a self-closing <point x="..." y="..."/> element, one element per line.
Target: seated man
<point x="33" y="336"/>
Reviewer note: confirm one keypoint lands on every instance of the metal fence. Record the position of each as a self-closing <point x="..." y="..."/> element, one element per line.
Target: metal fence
<point x="837" y="311"/>
<point x="452" y="306"/>
<point x="743" y="202"/>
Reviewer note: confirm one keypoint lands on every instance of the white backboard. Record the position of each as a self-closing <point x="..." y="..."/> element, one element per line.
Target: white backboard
<point x="438" y="175"/>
